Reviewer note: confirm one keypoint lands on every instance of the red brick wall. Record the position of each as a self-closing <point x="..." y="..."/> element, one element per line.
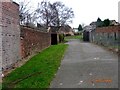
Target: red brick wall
<point x="16" y="42"/>
<point x="109" y="29"/>
<point x="33" y="41"/>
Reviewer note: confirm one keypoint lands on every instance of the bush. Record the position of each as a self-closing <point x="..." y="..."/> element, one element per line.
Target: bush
<point x="61" y="37"/>
<point x="106" y="22"/>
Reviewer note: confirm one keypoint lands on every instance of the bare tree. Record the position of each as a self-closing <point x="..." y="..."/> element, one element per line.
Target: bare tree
<point x="44" y="12"/>
<point x="55" y="14"/>
<point x="24" y="13"/>
<point x="26" y="16"/>
<point x="63" y="15"/>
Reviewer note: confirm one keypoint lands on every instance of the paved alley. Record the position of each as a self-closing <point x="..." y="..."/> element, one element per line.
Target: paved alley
<point x="86" y="65"/>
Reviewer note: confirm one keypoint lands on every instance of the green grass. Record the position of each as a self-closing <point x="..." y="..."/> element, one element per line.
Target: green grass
<point x="74" y="37"/>
<point x="0" y="86"/>
<point x="39" y="71"/>
<point x="115" y="47"/>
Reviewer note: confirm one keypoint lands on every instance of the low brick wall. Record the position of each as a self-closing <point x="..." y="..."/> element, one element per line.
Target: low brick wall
<point x="33" y="41"/>
<point x="109" y="29"/>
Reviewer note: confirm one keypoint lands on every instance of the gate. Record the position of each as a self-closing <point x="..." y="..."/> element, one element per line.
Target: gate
<point x="86" y="36"/>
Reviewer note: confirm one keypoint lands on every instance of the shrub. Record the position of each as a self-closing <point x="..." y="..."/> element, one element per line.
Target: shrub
<point x="61" y="37"/>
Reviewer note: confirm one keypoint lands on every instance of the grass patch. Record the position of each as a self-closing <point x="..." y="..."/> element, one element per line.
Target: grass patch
<point x="74" y="37"/>
<point x="114" y="47"/>
<point x="39" y="71"/>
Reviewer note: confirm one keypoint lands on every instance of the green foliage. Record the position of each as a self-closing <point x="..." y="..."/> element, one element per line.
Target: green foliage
<point x="61" y="37"/>
<point x="80" y="27"/>
<point x="106" y="22"/>
<point x="74" y="37"/>
<point x="39" y="71"/>
<point x="99" y="20"/>
<point x="100" y="23"/>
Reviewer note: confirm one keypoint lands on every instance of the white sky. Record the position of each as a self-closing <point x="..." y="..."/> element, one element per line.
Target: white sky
<point x="87" y="11"/>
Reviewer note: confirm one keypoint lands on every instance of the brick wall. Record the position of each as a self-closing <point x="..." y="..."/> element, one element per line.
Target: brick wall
<point x="17" y="42"/>
<point x="33" y="41"/>
<point x="9" y="33"/>
<point x="107" y="36"/>
<point x="109" y="29"/>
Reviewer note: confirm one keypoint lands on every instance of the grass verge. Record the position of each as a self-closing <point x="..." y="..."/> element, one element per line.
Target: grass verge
<point x="74" y="37"/>
<point x="39" y="71"/>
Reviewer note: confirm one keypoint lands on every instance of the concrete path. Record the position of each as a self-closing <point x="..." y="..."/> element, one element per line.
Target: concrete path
<point x="86" y="65"/>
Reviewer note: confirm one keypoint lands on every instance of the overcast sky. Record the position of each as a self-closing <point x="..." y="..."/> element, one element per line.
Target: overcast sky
<point x="87" y="11"/>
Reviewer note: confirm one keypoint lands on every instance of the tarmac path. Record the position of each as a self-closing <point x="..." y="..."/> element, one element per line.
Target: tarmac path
<point x="86" y="65"/>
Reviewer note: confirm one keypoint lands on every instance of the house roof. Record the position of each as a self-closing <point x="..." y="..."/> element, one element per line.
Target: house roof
<point x="55" y="29"/>
<point x="66" y="28"/>
<point x="87" y="28"/>
<point x="93" y="23"/>
<point x="113" y="22"/>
